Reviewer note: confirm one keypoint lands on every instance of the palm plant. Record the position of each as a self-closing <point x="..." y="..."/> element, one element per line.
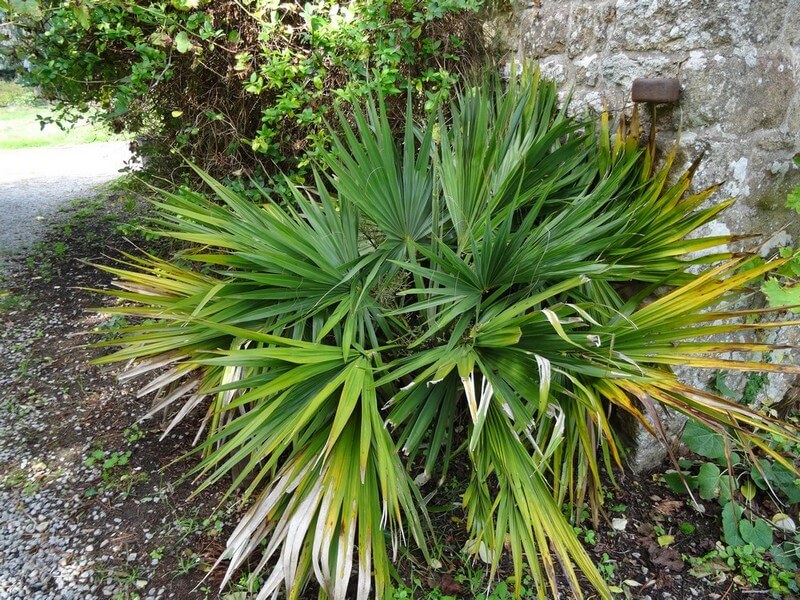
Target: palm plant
<point x="494" y="285"/>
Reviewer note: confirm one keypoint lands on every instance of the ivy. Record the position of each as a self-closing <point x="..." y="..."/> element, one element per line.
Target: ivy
<point x="752" y="544"/>
<point x="703" y="441"/>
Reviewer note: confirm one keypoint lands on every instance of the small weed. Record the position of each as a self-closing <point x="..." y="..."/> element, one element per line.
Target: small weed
<point x="133" y="433"/>
<point x="247" y="584"/>
<point x="589" y="536"/>
<point x="129" y="204"/>
<point x="13" y="302"/>
<point x="60" y="249"/>
<point x="755" y="383"/>
<point x="110" y="327"/>
<point x="29" y="482"/>
<point x="16" y="408"/>
<point x="23" y="366"/>
<point x="158" y="553"/>
<point x="607" y="567"/>
<point x="187" y="562"/>
<point x="505" y="590"/>
<point x="686" y="528"/>
<point x="115" y="459"/>
<point x="213" y="526"/>
<point x="406" y="593"/>
<point x="128" y="582"/>
<point x="749" y="565"/>
<point x="39" y="263"/>
<point x="114" y="471"/>
<point x="471" y="576"/>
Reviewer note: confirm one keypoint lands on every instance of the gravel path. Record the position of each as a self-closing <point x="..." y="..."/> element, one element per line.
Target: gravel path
<point x="34" y="182"/>
<point x="42" y="547"/>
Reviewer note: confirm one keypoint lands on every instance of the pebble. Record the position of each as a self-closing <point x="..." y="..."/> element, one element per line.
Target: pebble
<point x="49" y="530"/>
<point x="37" y="532"/>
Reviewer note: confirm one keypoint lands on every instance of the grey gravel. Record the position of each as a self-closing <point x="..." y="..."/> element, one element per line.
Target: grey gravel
<point x="34" y="182"/>
<point x="40" y="543"/>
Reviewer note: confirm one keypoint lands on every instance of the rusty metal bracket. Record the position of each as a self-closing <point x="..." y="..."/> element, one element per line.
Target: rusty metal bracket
<point x="657" y="90"/>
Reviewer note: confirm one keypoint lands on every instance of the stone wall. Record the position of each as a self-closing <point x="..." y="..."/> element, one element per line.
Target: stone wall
<point x="739" y="65"/>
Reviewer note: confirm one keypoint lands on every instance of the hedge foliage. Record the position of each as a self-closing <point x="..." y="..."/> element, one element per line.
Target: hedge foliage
<point x="240" y="86"/>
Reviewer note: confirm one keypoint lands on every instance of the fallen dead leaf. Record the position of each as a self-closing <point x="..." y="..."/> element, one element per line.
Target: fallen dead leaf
<point x="669" y="507"/>
<point x="669" y="558"/>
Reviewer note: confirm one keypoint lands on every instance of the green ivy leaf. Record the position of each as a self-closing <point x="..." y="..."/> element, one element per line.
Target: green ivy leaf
<point x="182" y="42"/>
<point x="731" y="518"/>
<point x="748" y="490"/>
<point x="708" y="481"/>
<point x="703" y="441"/>
<point x="726" y="486"/>
<point x="781" y="295"/>
<point x="779" y="477"/>
<point x="675" y="483"/>
<point x="722" y="386"/>
<point x="759" y="533"/>
<point x="784" y="559"/>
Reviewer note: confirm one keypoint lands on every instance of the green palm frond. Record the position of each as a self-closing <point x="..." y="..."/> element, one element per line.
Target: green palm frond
<point x="491" y="285"/>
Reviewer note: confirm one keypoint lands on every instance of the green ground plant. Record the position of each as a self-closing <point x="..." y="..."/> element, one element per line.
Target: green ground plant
<point x="750" y="566"/>
<point x="493" y="285"/>
<point x="117" y="475"/>
<point x="12" y="302"/>
<point x="754" y="546"/>
<point x="783" y="289"/>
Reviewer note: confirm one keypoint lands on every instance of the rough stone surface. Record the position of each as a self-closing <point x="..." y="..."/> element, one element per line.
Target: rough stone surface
<point x="739" y="65"/>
